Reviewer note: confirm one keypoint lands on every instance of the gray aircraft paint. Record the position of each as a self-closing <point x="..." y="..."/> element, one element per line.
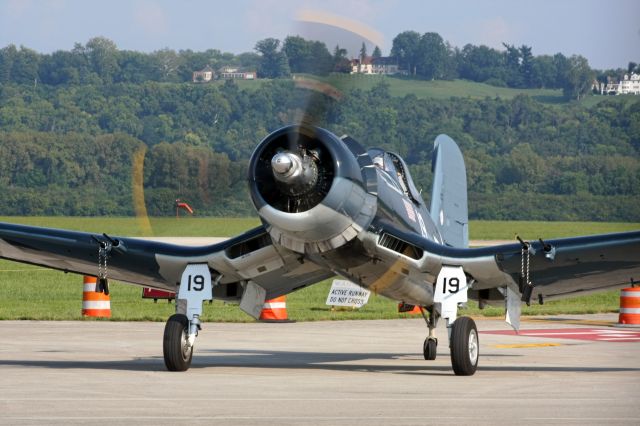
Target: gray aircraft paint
<point x="449" y="195"/>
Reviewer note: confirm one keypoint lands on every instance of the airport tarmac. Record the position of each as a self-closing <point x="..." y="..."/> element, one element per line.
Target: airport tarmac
<point x="346" y="372"/>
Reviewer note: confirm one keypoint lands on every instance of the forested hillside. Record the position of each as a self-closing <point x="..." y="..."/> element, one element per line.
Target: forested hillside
<point x="72" y="125"/>
<point x="69" y="149"/>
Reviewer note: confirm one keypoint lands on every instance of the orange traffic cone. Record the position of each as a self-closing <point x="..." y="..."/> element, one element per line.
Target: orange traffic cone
<point x="408" y="309"/>
<point x="629" y="307"/>
<point x="94" y="304"/>
<point x="274" y="310"/>
<point x="415" y="311"/>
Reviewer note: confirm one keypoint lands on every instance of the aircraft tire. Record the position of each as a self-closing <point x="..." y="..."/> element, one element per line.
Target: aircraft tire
<point x="177" y="357"/>
<point x="429" y="349"/>
<point x="464" y="346"/>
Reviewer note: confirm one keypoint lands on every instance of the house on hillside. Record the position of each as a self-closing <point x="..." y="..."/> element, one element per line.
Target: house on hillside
<point x="228" y="73"/>
<point x="385" y="65"/>
<point x="362" y="65"/>
<point x="629" y="85"/>
<point x="204" y="75"/>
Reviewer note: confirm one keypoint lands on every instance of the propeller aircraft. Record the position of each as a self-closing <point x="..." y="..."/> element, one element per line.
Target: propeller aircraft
<point x="330" y="207"/>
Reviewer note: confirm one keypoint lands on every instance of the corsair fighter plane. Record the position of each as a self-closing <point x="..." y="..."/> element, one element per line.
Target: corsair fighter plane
<point x="330" y="207"/>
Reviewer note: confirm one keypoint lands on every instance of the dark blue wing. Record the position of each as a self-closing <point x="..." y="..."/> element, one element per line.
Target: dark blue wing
<point x="561" y="267"/>
<point x="249" y="256"/>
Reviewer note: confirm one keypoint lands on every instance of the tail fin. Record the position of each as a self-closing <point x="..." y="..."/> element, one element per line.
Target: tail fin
<point x="449" y="195"/>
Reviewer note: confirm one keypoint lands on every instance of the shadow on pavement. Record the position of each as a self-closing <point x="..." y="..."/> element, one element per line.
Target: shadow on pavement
<point x="350" y="362"/>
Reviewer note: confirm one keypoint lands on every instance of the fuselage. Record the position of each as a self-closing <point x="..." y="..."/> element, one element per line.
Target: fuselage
<point x="394" y="279"/>
<point x="329" y="199"/>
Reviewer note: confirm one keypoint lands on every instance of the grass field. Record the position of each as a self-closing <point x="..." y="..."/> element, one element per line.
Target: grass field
<point x="227" y="227"/>
<point x="443" y="89"/>
<point x="29" y="292"/>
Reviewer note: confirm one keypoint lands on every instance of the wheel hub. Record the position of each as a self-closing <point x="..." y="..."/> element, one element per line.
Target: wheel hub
<point x="184" y="345"/>
<point x="473" y="347"/>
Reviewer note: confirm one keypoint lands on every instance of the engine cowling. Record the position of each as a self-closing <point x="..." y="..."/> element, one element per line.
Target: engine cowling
<point x="308" y="189"/>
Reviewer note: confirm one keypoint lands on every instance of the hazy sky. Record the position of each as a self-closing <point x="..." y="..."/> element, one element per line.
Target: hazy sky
<point x="606" y="32"/>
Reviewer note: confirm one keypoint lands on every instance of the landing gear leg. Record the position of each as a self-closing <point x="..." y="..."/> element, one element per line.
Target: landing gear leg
<point x="182" y="328"/>
<point x="450" y="291"/>
<point x="430" y="344"/>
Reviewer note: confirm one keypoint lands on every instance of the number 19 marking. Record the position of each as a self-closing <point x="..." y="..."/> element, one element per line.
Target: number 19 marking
<point x="197" y="284"/>
<point x="454" y="285"/>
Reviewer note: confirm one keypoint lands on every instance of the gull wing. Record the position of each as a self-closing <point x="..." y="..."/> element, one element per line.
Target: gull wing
<point x="557" y="268"/>
<point x="249" y="256"/>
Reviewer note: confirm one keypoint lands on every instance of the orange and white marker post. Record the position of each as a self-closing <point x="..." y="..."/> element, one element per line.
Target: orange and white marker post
<point x="629" y="306"/>
<point x="94" y="304"/>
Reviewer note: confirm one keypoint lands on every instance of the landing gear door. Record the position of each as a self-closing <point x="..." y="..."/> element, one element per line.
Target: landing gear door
<point x="195" y="287"/>
<point x="253" y="299"/>
<point x="451" y="289"/>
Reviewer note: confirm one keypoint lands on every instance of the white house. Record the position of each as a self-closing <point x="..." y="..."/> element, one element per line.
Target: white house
<point x="370" y="65"/>
<point x="362" y="65"/>
<point x="629" y="85"/>
<point x="228" y="73"/>
<point x="204" y="75"/>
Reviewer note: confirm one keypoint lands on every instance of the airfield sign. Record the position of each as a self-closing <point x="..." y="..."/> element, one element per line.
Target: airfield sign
<point x="346" y="293"/>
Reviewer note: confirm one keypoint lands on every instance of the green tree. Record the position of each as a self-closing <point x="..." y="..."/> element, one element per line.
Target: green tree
<point x="306" y="56"/>
<point x="25" y="66"/>
<point x="102" y="54"/>
<point x="298" y="52"/>
<point x="323" y="59"/>
<point x="249" y="60"/>
<point x="578" y="78"/>
<point x="377" y="53"/>
<point x="166" y="63"/>
<point x="481" y="63"/>
<point x="363" y="51"/>
<point x="136" y="67"/>
<point x="543" y="72"/>
<point x="562" y="66"/>
<point x="8" y="56"/>
<point x="273" y="63"/>
<point x="432" y="56"/>
<point x="406" y="49"/>
<point x="526" y="66"/>
<point x="341" y="63"/>
<point x="451" y="62"/>
<point x="512" y="59"/>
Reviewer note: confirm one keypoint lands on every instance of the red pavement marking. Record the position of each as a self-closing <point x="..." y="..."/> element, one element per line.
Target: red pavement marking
<point x="599" y="334"/>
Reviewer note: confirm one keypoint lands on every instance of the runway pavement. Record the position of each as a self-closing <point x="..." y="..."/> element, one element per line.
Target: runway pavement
<point x="327" y="373"/>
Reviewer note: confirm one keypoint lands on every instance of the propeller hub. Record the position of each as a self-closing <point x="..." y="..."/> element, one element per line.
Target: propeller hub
<point x="282" y="163"/>
<point x="295" y="175"/>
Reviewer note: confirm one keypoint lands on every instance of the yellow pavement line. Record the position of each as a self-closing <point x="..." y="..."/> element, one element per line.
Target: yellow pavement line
<point x="527" y="345"/>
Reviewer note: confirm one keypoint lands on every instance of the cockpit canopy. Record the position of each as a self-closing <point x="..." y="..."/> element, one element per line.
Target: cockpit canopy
<point x="397" y="170"/>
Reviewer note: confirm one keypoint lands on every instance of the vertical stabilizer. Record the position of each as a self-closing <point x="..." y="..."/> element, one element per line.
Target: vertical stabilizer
<point x="449" y="195"/>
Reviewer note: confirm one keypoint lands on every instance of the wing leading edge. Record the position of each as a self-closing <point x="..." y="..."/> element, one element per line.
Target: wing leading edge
<point x="557" y="268"/>
<point x="249" y="256"/>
